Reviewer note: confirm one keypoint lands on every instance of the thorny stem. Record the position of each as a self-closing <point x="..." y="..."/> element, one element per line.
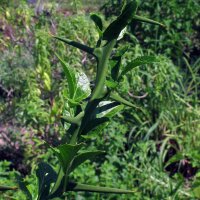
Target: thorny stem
<point x="102" y="66"/>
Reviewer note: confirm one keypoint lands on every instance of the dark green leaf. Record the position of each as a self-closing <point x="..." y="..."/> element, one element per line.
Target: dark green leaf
<point x="66" y="154"/>
<point x="23" y="187"/>
<point x="94" y="123"/>
<point x="76" y="44"/>
<point x="97" y="20"/>
<point x="115" y="28"/>
<point x="81" y="158"/>
<point x="46" y="175"/>
<point x="115" y="69"/>
<point x="176" y="158"/>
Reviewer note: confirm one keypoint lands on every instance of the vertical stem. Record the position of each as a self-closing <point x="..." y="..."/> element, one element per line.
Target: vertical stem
<point x="99" y="85"/>
<point x="102" y="70"/>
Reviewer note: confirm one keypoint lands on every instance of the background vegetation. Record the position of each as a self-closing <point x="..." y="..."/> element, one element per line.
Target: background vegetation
<point x="153" y="148"/>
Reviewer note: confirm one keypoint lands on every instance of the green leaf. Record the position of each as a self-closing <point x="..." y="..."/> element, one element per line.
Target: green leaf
<point x="115" y="68"/>
<point x="23" y="187"/>
<point x="98" y="22"/>
<point x="93" y="124"/>
<point x="114" y="111"/>
<point x="144" y="19"/>
<point x="196" y="189"/>
<point x="6" y="188"/>
<point x="111" y="84"/>
<point x="91" y="188"/>
<point x="114" y="29"/>
<point x="120" y="99"/>
<point x="81" y="158"/>
<point x="70" y="75"/>
<point x="57" y="188"/>
<point x="177" y="157"/>
<point x="76" y="44"/>
<point x="83" y="87"/>
<point x="137" y="62"/>
<point x="46" y="175"/>
<point x="66" y="153"/>
<point x="108" y="109"/>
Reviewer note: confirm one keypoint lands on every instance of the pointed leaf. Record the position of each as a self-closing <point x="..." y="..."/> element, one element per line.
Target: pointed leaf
<point x="144" y="19"/>
<point x="115" y="68"/>
<point x="91" y="188"/>
<point x="76" y="44"/>
<point x="66" y="153"/>
<point x="57" y="189"/>
<point x="70" y="75"/>
<point x="81" y="158"/>
<point x="114" y="111"/>
<point x="137" y="62"/>
<point x="120" y="99"/>
<point x="115" y="28"/>
<point x="46" y="175"/>
<point x="104" y="107"/>
<point x="98" y="22"/>
<point x="94" y="123"/>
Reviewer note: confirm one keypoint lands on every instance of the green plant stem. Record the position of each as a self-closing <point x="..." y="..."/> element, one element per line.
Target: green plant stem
<point x="102" y="70"/>
<point x="103" y="56"/>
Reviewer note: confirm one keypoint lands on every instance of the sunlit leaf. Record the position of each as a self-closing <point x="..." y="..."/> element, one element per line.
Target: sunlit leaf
<point x="70" y="75"/>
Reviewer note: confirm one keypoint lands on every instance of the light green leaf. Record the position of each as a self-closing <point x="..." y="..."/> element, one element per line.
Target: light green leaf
<point x="70" y="75"/>
<point x="83" y="87"/>
<point x="91" y="188"/>
<point x="108" y="109"/>
<point x="120" y="99"/>
<point x="144" y="19"/>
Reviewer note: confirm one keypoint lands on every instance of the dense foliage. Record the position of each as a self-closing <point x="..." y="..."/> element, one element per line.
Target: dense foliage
<point x="152" y="144"/>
